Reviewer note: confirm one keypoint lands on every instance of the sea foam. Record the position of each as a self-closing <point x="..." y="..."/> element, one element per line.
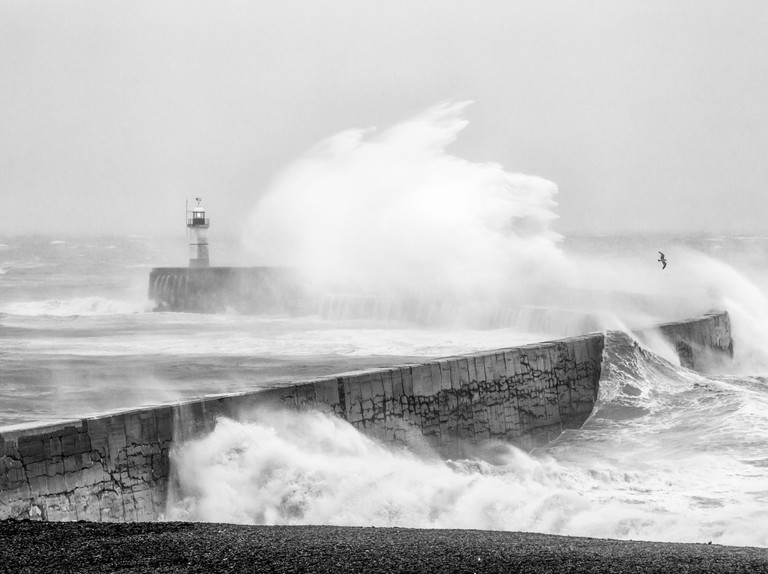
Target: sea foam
<point x="87" y="306"/>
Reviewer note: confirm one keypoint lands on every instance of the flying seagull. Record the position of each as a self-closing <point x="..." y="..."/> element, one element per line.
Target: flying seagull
<point x="663" y="260"/>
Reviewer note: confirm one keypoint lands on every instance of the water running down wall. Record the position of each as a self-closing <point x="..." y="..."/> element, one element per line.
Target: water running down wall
<point x="116" y="467"/>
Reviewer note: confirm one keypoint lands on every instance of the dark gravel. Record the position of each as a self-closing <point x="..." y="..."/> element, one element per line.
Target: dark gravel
<point x="39" y="547"/>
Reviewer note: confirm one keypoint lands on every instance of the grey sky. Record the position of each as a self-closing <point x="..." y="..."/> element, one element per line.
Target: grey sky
<point x="649" y="115"/>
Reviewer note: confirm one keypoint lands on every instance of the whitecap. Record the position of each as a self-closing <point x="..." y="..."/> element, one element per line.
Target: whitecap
<point x="73" y="307"/>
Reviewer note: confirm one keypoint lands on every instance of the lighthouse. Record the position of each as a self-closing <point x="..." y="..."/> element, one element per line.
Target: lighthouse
<point x="198" y="226"/>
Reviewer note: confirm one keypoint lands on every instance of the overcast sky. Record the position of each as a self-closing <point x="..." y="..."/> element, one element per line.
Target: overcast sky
<point x="649" y="115"/>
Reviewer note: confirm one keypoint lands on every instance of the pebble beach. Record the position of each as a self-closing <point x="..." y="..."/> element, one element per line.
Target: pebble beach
<point x="170" y="547"/>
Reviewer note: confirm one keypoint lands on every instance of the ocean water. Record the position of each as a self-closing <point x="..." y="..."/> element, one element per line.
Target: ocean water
<point x="668" y="454"/>
<point x="78" y="336"/>
<point x="457" y="256"/>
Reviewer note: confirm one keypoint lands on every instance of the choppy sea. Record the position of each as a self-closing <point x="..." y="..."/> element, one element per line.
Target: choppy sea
<point x="668" y="454"/>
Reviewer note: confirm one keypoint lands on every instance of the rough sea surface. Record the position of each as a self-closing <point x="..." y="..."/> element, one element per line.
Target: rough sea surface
<point x="668" y="455"/>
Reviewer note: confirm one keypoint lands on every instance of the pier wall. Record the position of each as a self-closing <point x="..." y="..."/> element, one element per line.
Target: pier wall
<point x="702" y="345"/>
<point x="116" y="467"/>
<point x="215" y="289"/>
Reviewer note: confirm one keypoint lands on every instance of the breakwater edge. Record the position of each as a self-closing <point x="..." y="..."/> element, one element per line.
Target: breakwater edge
<point x="117" y="467"/>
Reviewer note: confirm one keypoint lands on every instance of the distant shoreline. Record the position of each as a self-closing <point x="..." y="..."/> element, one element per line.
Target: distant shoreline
<point x="169" y="547"/>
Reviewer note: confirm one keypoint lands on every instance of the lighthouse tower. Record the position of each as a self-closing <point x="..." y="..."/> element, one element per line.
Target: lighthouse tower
<point x="198" y="226"/>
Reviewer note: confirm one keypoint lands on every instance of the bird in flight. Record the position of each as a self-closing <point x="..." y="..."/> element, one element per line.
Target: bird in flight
<point x="663" y="260"/>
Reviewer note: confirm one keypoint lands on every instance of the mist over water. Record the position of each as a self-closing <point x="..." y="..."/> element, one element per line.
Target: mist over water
<point x="393" y="215"/>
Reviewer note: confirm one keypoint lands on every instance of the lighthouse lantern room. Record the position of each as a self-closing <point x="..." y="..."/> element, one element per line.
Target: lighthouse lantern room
<point x="197" y="227"/>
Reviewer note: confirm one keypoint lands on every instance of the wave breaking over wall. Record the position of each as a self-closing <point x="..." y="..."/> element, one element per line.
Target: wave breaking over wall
<point x="117" y="467"/>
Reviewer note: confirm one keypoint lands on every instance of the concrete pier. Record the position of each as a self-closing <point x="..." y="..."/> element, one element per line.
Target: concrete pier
<point x="216" y="289"/>
<point x="116" y="467"/>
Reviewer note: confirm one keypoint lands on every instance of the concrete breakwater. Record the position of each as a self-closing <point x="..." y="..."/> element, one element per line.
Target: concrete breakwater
<point x="116" y="467"/>
<point x="214" y="289"/>
<point x="700" y="349"/>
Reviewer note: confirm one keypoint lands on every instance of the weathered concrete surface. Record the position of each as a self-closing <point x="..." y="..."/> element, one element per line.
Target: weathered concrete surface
<point x="113" y="468"/>
<point x="525" y="395"/>
<point x="702" y="343"/>
<point x="214" y="289"/>
<point x="116" y="468"/>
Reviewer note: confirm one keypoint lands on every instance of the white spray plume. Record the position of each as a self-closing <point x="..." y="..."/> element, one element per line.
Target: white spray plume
<point x="394" y="213"/>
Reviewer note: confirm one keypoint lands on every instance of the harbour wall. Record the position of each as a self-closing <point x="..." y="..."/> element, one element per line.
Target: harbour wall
<point x="215" y="289"/>
<point x="116" y="467"/>
<point x="702" y="346"/>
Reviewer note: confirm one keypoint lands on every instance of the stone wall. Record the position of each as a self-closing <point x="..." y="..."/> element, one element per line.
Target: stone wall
<point x="214" y="289"/>
<point x="702" y="343"/>
<point x="112" y="468"/>
<point x="116" y="467"/>
<point x="525" y="395"/>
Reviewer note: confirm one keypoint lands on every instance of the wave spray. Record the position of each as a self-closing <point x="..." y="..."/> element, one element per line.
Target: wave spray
<point x="668" y="454"/>
<point x="393" y="213"/>
<point x="395" y="217"/>
<point x="279" y="468"/>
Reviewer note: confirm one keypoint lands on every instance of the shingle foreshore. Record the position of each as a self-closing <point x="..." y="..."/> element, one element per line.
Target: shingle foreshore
<point x="170" y="547"/>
